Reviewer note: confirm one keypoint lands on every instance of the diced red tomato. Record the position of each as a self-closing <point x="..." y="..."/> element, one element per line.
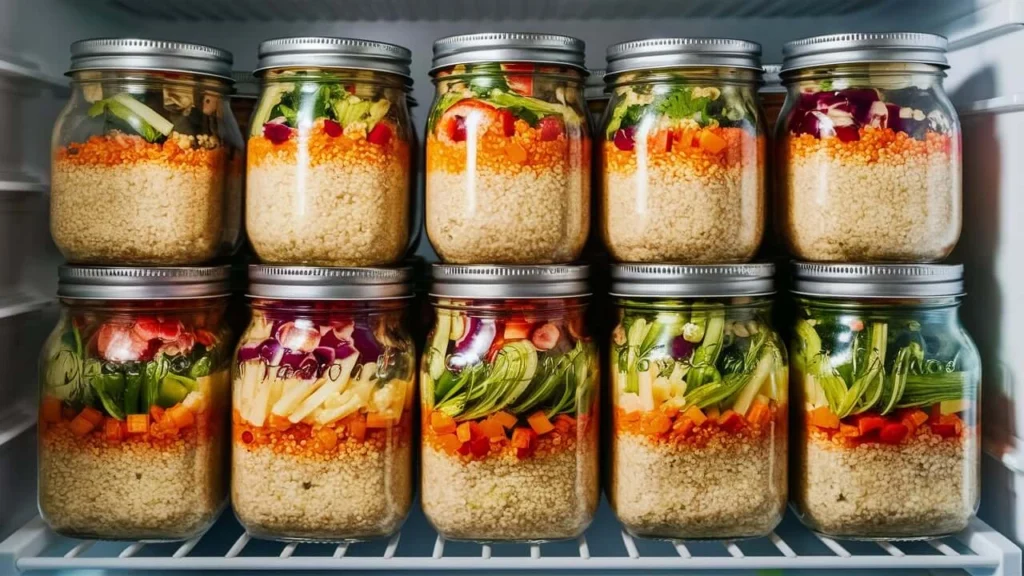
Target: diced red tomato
<point x="458" y="129"/>
<point x="205" y="337"/>
<point x="276" y="133"/>
<point x="551" y="127"/>
<point x="332" y="128"/>
<point x="623" y="139"/>
<point x="730" y="421"/>
<point x="945" y="430"/>
<point x="508" y="123"/>
<point x="869" y="424"/>
<point x="893" y="433"/>
<point x="464" y="449"/>
<point x="480" y="446"/>
<point x="521" y="83"/>
<point x="380" y="134"/>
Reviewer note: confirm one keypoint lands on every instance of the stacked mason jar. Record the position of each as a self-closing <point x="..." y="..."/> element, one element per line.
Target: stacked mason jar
<point x="146" y="196"/>
<point x="887" y="380"/>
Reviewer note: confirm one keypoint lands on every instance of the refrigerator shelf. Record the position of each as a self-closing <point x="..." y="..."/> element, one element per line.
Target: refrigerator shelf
<point x="979" y="550"/>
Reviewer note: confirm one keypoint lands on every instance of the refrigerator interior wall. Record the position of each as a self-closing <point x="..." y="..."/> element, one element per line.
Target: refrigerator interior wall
<point x="984" y="82"/>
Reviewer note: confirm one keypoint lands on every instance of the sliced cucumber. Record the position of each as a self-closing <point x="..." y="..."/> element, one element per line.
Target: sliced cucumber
<point x="439" y="345"/>
<point x="147" y="114"/>
<point x="272" y="94"/>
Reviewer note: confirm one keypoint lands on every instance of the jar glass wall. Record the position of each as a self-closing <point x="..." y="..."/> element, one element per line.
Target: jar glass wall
<point x="147" y="165"/>
<point x="509" y="391"/>
<point x="133" y="417"/>
<point x="700" y="405"/>
<point x="888" y="437"/>
<point x="869" y="161"/>
<point x="508" y="152"/>
<point x="322" y="425"/>
<point x="683" y="155"/>
<point x="329" y="154"/>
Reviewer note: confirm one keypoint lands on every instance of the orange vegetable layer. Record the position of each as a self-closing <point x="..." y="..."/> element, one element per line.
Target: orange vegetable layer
<point x="120" y="149"/>
<point x="875" y="145"/>
<point x="315" y="147"/>
<point x="704" y="151"/>
<point x="668" y="424"/>
<point x="523" y="151"/>
<point x="305" y="440"/>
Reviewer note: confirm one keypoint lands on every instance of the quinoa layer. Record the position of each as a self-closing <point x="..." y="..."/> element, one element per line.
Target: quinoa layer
<point x="732" y="486"/>
<point x="347" y="212"/>
<point x="364" y="490"/>
<point x="925" y="487"/>
<point x="684" y="211"/>
<point x="130" y="490"/>
<point x="146" y="212"/>
<point x="874" y="200"/>
<point x="547" y="496"/>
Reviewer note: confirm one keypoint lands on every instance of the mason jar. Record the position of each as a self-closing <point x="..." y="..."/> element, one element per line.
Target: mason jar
<point x="329" y="153"/>
<point x="869" y="151"/>
<point x="700" y="396"/>
<point x="772" y="96"/>
<point x="147" y="157"/>
<point x="134" y="388"/>
<point x="508" y="150"/>
<point x="888" y="434"/>
<point x="322" y="393"/>
<point x="509" y="389"/>
<point x="682" y="151"/>
<point x="596" y="96"/>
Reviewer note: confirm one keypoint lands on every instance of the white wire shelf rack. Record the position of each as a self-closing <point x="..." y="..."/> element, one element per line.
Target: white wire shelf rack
<point x="979" y="550"/>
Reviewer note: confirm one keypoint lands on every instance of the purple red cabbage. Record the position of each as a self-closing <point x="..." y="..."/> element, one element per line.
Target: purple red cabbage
<point x="682" y="349"/>
<point x="270" y="351"/>
<point x="366" y="344"/>
<point x="248" y="353"/>
<point x="842" y="113"/>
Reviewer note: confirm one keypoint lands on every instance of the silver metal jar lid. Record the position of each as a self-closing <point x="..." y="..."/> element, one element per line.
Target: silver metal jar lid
<point x="878" y="280"/>
<point x="654" y="53"/>
<point x="692" y="281"/>
<point x="123" y="283"/>
<point x="314" y="283"/>
<point x="595" y="88"/>
<point x="326" y="52"/>
<point x="154" y="55"/>
<point x="772" y="81"/>
<point x="490" y="281"/>
<point x="508" y="47"/>
<point x="833" y="49"/>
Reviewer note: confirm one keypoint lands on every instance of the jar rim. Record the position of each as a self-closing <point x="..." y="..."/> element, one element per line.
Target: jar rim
<point x="142" y="283"/>
<point x="881" y="281"/>
<point x="692" y="281"/>
<point x="150" y="55"/>
<point x="321" y="283"/>
<point x="863" y="48"/>
<point x="484" y="47"/>
<point x="333" y="52"/>
<point x="488" y="281"/>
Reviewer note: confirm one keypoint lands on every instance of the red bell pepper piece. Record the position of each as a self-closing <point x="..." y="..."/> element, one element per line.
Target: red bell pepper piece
<point x="893" y="433"/>
<point x="869" y="424"/>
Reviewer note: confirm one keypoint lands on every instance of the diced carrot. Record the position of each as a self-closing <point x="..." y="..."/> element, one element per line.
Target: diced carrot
<point x="50" y="409"/>
<point x="696" y="415"/>
<point x="449" y="443"/>
<point x="564" y="423"/>
<point x="759" y="414"/>
<point x="463" y="433"/>
<point x="81" y="426"/>
<point x="138" y="423"/>
<point x="515" y="153"/>
<point x="822" y="417"/>
<point x="682" y="426"/>
<point x="540" y="423"/>
<point x="492" y="430"/>
<point x="954" y="420"/>
<point x="670" y="410"/>
<point x="506" y="420"/>
<point x="181" y="416"/>
<point x="712" y="414"/>
<point x="730" y="421"/>
<point x="516" y="330"/>
<point x="655" y="423"/>
<point x="327" y="438"/>
<point x="442" y="423"/>
<point x="375" y="420"/>
<point x="869" y="424"/>
<point x="849" y="430"/>
<point x="357" y="426"/>
<point x="633" y="416"/>
<point x="156" y="413"/>
<point x="523" y="437"/>
<point x="279" y="423"/>
<point x="112" y="430"/>
<point x="712" y="142"/>
<point x="92" y="415"/>
<point x="913" y="419"/>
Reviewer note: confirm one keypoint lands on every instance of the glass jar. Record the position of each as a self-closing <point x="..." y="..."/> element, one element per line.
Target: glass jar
<point x="772" y="96"/>
<point x="869" y="153"/>
<point x="509" y="389"/>
<point x="244" y="97"/>
<point x="596" y="96"/>
<point x="888" y="433"/>
<point x="508" y="150"/>
<point x="147" y="157"/>
<point x="329" y="153"/>
<point x="700" y="396"/>
<point x="133" y="403"/>
<point x="322" y="396"/>
<point x="683" y="151"/>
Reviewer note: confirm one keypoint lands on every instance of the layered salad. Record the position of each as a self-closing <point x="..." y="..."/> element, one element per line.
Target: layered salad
<point x="132" y="431"/>
<point x="328" y="171"/>
<point x="699" y="423"/>
<point x="509" y="426"/>
<point x="889" y="442"/>
<point x="322" y="424"/>
<point x="508" y="165"/>
<point x="870" y="174"/>
<point x="683" y="172"/>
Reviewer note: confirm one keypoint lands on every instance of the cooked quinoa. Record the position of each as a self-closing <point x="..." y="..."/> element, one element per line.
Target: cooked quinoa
<point x="921" y="488"/>
<point x="508" y="200"/>
<point x="118" y="199"/>
<point x="138" y="490"/>
<point x="885" y="197"/>
<point x="549" y="495"/>
<point x="362" y="490"/>
<point x="328" y="201"/>
<point x="728" y="486"/>
<point x="687" y="205"/>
